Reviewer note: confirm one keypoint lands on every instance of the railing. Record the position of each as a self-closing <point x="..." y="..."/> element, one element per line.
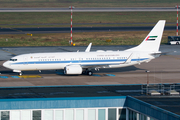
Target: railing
<point x="159" y="89"/>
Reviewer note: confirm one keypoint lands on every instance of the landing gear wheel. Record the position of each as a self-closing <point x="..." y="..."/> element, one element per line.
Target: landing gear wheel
<point x="90" y="73"/>
<point x="20" y="73"/>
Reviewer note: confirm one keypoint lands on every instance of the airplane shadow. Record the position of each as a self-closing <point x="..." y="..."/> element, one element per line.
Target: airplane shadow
<point x="118" y="70"/>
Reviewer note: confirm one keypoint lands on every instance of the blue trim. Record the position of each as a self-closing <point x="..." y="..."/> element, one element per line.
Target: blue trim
<point x="66" y="98"/>
<point x="149" y="109"/>
<point x="78" y="61"/>
<point x="59" y="103"/>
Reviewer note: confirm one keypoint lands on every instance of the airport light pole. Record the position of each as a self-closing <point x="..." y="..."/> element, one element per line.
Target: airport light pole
<point x="147" y="77"/>
<point x="71" y="42"/>
<point x="147" y="81"/>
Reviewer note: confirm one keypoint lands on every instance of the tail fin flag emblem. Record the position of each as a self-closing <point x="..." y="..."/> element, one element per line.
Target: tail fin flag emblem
<point x="149" y="38"/>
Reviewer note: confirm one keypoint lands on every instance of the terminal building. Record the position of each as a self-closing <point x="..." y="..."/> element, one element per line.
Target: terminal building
<point x="106" y="102"/>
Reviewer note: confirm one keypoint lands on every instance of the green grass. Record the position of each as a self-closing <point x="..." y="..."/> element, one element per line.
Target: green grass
<point x="97" y="38"/>
<point x="80" y="39"/>
<point x="88" y="3"/>
<point x="25" y="19"/>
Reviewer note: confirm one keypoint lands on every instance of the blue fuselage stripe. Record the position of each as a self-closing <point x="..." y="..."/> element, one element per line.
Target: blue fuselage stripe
<point x="77" y="61"/>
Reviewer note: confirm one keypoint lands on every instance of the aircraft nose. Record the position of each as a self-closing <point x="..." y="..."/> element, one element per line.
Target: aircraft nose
<point x="6" y="64"/>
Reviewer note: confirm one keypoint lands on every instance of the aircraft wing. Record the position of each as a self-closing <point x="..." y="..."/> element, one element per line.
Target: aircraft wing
<point x="97" y="65"/>
<point x="106" y="65"/>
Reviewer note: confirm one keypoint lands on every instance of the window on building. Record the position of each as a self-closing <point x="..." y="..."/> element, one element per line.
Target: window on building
<point x="91" y="114"/>
<point x="142" y="117"/>
<point x="69" y="114"/>
<point x="15" y="115"/>
<point x="59" y="114"/>
<point x="37" y="115"/>
<point x="112" y="114"/>
<point x="122" y="114"/>
<point x="4" y="115"/>
<point x="48" y="114"/>
<point x="25" y="115"/>
<point x="132" y="115"/>
<point x="79" y="114"/>
<point x="101" y="114"/>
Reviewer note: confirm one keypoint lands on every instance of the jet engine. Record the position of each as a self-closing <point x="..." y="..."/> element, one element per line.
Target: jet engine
<point x="73" y="69"/>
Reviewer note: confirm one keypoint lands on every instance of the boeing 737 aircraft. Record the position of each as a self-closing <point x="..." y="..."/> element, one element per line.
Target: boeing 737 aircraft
<point x="84" y="62"/>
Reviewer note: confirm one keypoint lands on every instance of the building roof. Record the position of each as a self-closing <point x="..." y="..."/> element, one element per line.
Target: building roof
<point x="49" y="96"/>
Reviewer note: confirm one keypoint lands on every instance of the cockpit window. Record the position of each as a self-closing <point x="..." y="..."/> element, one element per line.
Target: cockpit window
<point x="13" y="60"/>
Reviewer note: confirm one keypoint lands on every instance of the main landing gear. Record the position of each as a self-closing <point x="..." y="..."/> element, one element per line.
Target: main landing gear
<point x="87" y="72"/>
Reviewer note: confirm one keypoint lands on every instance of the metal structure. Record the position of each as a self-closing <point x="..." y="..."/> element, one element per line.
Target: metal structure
<point x="71" y="41"/>
<point x="160" y="89"/>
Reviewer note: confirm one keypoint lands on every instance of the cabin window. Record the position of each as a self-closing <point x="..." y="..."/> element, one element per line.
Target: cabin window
<point x="13" y="60"/>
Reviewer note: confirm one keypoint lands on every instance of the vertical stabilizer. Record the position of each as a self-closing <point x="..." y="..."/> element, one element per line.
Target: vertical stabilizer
<point x="153" y="39"/>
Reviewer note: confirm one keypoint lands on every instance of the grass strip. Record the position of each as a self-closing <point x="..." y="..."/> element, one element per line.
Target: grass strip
<point x="80" y="39"/>
<point x="84" y="19"/>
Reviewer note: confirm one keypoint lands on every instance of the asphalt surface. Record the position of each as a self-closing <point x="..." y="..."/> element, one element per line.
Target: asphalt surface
<point x="75" y="29"/>
<point x="135" y="9"/>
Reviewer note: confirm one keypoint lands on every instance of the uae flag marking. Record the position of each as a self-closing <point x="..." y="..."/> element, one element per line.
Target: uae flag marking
<point x="151" y="38"/>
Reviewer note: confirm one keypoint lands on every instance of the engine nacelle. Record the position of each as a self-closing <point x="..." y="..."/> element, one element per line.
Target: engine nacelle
<point x="73" y="69"/>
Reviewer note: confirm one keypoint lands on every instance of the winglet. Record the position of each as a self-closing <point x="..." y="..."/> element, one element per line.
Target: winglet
<point x="88" y="48"/>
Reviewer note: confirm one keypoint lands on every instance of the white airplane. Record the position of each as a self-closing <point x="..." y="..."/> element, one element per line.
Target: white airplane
<point x="83" y="62"/>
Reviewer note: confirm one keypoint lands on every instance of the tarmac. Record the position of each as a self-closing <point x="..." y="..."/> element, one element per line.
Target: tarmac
<point x="165" y="69"/>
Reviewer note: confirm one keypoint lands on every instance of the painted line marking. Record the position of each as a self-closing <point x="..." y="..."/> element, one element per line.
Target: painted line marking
<point x="96" y="75"/>
<point x="15" y="76"/>
<point x="109" y="75"/>
<point x="3" y="77"/>
<point x="30" y="76"/>
<point x="8" y="52"/>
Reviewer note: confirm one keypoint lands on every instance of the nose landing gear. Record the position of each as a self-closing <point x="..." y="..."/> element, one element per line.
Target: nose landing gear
<point x="20" y="74"/>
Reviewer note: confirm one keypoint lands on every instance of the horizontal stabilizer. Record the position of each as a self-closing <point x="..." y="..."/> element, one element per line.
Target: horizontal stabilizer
<point x="162" y="53"/>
